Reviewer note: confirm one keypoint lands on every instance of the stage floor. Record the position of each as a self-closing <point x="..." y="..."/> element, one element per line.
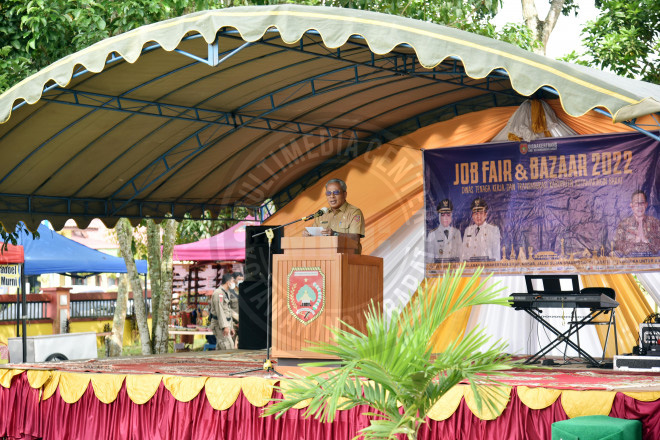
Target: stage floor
<point x="237" y="363"/>
<point x="200" y="395"/>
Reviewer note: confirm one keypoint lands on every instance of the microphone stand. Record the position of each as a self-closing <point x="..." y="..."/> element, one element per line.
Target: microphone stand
<point x="268" y="363"/>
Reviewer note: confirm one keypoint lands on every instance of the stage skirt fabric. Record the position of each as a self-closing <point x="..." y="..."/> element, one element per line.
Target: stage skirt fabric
<point x="54" y="405"/>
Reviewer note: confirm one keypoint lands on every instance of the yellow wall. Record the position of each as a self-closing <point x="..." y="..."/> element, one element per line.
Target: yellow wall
<point x="46" y="328"/>
<point x="97" y="327"/>
<point x="9" y="331"/>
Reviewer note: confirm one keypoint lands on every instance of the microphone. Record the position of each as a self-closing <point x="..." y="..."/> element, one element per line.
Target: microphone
<point x="318" y="213"/>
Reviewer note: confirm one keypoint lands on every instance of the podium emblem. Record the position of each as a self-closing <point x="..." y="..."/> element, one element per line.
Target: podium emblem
<point x="306" y="293"/>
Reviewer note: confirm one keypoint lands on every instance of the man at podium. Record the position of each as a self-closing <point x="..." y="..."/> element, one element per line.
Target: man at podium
<point x="342" y="218"/>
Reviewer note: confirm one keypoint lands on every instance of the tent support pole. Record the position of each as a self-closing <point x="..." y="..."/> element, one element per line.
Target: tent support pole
<point x="18" y="308"/>
<point x="24" y="314"/>
<point x="146" y="305"/>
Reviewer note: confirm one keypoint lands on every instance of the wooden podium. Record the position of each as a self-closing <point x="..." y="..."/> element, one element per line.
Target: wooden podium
<point x="317" y="282"/>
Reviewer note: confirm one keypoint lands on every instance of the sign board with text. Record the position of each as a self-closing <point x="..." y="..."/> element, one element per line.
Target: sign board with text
<point x="10" y="278"/>
<point x="587" y="204"/>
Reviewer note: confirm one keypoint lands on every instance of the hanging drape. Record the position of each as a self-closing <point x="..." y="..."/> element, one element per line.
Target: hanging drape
<point x="632" y="310"/>
<point x="534" y="119"/>
<point x="651" y="283"/>
<point x="387" y="185"/>
<point x="403" y="262"/>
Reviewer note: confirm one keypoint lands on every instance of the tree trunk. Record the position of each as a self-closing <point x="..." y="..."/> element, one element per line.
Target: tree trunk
<point x="117" y="336"/>
<point x="541" y="30"/>
<point x="165" y="307"/>
<point x="125" y="238"/>
<point x="153" y="258"/>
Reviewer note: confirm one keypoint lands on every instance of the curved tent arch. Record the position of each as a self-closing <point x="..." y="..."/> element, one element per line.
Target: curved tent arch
<point x="274" y="98"/>
<point x="292" y="21"/>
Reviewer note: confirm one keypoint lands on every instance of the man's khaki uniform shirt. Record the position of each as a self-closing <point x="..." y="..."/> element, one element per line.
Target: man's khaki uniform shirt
<point x="348" y="220"/>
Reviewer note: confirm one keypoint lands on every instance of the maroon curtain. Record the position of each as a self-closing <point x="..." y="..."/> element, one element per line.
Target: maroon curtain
<point x="517" y="421"/>
<point x="19" y="410"/>
<point x="163" y="417"/>
<point x="648" y="413"/>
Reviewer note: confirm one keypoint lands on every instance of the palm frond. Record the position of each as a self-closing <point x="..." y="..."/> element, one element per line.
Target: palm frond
<point x="391" y="367"/>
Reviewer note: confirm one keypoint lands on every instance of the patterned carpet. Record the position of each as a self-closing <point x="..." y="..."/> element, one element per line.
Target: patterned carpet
<point x="226" y="363"/>
<point x="584" y="379"/>
<point x="204" y="363"/>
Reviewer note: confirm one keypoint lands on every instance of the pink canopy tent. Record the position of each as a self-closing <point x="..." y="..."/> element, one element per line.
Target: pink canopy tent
<point x="227" y="245"/>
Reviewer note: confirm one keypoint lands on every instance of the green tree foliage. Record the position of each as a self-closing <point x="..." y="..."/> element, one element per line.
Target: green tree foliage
<point x="7" y="238"/>
<point x="193" y="229"/>
<point x="467" y="15"/>
<point x="540" y="29"/>
<point x="391" y="366"/>
<point x="36" y="33"/>
<point x="472" y="16"/>
<point x="625" y="38"/>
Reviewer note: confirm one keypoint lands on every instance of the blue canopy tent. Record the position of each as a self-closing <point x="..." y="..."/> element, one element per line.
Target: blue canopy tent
<point x="54" y="253"/>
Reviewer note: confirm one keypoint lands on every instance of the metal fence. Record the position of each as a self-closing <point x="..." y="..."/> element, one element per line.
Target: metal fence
<point x="100" y="308"/>
<point x="97" y="308"/>
<point x="35" y="310"/>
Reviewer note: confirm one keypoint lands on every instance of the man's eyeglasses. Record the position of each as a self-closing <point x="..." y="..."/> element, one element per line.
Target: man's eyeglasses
<point x="333" y="193"/>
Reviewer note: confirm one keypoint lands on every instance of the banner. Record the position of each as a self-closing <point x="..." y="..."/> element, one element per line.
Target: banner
<point x="586" y="204"/>
<point x="10" y="278"/>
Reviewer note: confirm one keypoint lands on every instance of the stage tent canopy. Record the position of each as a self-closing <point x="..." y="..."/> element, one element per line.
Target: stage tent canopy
<point x="248" y="106"/>
<point x="226" y="246"/>
<point x="255" y="107"/>
<point x="54" y="253"/>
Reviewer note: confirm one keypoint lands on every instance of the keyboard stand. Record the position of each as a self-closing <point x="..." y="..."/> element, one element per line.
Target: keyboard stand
<point x="610" y="323"/>
<point x="564" y="337"/>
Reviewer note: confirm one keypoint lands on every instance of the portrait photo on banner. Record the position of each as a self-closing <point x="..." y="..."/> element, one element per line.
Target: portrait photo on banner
<point x="587" y="204"/>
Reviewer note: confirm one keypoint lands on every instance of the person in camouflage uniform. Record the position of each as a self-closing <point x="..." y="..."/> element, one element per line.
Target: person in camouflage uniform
<point x="220" y="316"/>
<point x="233" y="305"/>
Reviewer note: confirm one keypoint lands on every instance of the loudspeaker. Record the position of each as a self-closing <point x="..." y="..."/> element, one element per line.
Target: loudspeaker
<point x="256" y="251"/>
<point x="649" y="335"/>
<point x="252" y="313"/>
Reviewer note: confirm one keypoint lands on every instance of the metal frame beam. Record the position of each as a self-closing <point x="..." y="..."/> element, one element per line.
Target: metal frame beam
<point x="115" y="103"/>
<point x="132" y="106"/>
<point x="635" y="126"/>
<point x="351" y="80"/>
<point x="396" y="63"/>
<point x="201" y="115"/>
<point x="161" y="160"/>
<point x="115" y="57"/>
<point x="357" y="149"/>
<point x="177" y="111"/>
<point x="71" y="207"/>
<point x="294" y="140"/>
<point x="454" y="69"/>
